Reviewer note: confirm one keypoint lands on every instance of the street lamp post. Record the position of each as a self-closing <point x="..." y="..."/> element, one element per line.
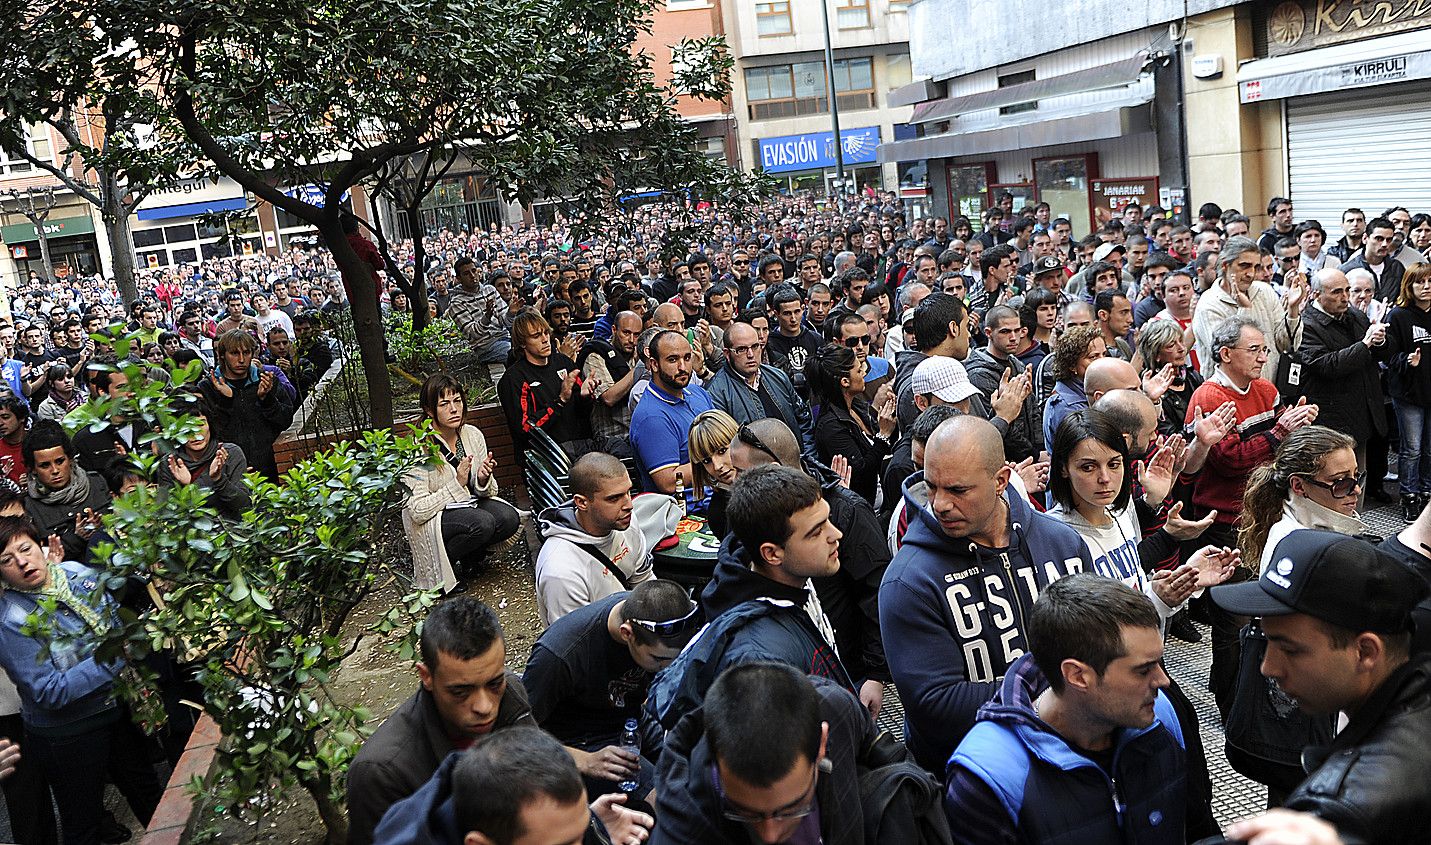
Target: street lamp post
<point x="834" y="106"/>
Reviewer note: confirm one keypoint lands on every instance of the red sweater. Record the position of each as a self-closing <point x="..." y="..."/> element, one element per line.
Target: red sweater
<point x="1251" y="444"/>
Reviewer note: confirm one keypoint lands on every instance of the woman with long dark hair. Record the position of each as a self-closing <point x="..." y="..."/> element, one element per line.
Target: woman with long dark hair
<point x="848" y="425"/>
<point x="1408" y="335"/>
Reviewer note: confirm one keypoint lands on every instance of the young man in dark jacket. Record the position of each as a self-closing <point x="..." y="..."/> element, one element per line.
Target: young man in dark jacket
<point x="1337" y="613"/>
<point x="466" y="693"/>
<point x="849" y="597"/>
<point x="518" y="787"/>
<point x="761" y="604"/>
<point x="957" y="595"/>
<point x="1081" y="717"/>
<point x="789" y="770"/>
<point x="253" y="403"/>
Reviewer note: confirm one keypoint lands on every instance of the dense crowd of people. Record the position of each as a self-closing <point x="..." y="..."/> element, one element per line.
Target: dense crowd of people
<point x="983" y="462"/>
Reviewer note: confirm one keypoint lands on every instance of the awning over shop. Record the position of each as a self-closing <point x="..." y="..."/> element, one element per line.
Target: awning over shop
<point x="1102" y="77"/>
<point x="191" y="209"/>
<point x="1027" y="130"/>
<point x="1375" y="61"/>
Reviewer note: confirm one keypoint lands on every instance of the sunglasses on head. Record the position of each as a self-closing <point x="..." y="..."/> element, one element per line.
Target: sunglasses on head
<point x="671" y="627"/>
<point x="749" y="438"/>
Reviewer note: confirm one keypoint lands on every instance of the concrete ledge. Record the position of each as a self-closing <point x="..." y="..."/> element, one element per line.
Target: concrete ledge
<point x="175" y="818"/>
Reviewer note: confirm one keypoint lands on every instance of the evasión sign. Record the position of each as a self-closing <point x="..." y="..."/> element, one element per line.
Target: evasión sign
<point x="816" y="150"/>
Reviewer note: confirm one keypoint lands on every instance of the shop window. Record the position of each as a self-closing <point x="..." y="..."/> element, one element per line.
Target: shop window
<point x="180" y="234"/>
<point x="158" y="258"/>
<point x="773" y="19"/>
<point x="217" y="249"/>
<point x="1063" y="184"/>
<point x="206" y="231"/>
<point x="186" y="256"/>
<point x="852" y="14"/>
<point x="148" y="237"/>
<point x="969" y="190"/>
<point x="800" y="89"/>
<point x="1010" y="79"/>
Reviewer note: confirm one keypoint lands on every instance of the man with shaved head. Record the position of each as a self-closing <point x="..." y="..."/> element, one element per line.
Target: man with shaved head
<point x="957" y="595"/>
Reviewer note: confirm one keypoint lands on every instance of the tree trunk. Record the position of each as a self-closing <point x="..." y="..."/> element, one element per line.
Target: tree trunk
<point x="367" y="321"/>
<point x="49" y="267"/>
<point x="335" y="818"/>
<point x="116" y="225"/>
<point x="419" y="278"/>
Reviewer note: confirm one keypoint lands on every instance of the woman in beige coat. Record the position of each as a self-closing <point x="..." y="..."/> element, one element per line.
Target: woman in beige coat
<point x="453" y="516"/>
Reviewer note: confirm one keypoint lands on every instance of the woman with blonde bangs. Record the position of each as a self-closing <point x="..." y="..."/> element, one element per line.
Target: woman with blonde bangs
<point x="709" y="440"/>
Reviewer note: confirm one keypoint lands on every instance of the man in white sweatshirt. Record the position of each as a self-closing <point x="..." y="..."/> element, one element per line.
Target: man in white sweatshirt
<point x="593" y="547"/>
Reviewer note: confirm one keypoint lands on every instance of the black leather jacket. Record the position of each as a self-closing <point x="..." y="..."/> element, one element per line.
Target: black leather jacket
<point x="1371" y="783"/>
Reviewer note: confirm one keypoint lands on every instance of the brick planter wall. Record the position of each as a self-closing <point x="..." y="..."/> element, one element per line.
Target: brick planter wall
<point x="488" y="418"/>
<point x="176" y="815"/>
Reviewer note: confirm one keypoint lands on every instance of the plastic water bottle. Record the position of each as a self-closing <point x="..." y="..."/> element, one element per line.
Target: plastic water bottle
<point x="632" y="743"/>
<point x="681" y="492"/>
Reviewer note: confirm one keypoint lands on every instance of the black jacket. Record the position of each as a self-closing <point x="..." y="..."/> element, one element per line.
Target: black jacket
<point x="1407" y="330"/>
<point x="688" y="809"/>
<point x="1388" y="286"/>
<point x="1371" y="783"/>
<point x="751" y="618"/>
<point x="249" y="421"/>
<point x="850" y="597"/>
<point x="1342" y="374"/>
<point x="1024" y="438"/>
<point x="60" y="519"/>
<point x="405" y="752"/>
<point x="837" y="433"/>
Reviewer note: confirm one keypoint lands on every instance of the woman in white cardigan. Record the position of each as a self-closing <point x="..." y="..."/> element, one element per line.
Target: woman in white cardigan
<point x="453" y="516"/>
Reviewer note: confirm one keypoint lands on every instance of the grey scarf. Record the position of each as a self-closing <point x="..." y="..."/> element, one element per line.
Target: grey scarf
<point x="71" y="494"/>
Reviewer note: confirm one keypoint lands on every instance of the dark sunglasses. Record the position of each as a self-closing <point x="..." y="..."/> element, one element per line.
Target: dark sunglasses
<point x="671" y="627"/>
<point x="1342" y="487"/>
<point x="749" y="438"/>
<point x="861" y="340"/>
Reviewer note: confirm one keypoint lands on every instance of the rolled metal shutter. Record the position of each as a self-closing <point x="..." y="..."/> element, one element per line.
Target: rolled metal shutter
<point x="1368" y="148"/>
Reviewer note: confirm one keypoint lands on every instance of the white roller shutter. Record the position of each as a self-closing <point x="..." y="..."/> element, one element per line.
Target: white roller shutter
<point x="1368" y="148"/>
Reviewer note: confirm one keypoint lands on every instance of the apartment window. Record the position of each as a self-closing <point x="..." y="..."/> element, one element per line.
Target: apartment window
<point x="773" y="19"/>
<point x="852" y="14"/>
<point x="38" y="143"/>
<point x="1017" y="79"/>
<point x="799" y="89"/>
<point x="896" y="6"/>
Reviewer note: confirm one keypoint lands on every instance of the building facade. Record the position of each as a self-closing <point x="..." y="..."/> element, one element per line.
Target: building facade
<point x="781" y="95"/>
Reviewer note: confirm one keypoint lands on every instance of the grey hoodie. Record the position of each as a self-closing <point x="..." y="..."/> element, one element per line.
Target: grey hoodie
<point x="571" y="577"/>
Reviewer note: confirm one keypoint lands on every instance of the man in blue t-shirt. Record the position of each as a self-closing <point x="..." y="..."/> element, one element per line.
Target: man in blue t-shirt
<point x="661" y="423"/>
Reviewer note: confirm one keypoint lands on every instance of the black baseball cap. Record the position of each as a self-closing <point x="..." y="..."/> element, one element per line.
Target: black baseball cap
<point x="1338" y="579"/>
<point x="1047" y="264"/>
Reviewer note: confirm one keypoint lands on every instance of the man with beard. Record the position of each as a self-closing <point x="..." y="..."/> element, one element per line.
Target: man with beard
<point x="612" y="365"/>
<point x="660" y="423"/>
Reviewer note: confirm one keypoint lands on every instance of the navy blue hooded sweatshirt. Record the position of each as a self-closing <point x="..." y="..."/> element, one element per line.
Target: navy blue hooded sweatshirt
<point x="429" y="816"/>
<point x="751" y="618"/>
<point x="959" y="613"/>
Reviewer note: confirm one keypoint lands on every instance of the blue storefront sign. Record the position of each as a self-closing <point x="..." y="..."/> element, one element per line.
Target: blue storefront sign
<point x="816" y="150"/>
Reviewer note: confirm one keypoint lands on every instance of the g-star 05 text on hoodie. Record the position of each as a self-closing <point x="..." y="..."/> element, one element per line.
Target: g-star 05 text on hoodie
<point x="959" y="613"/>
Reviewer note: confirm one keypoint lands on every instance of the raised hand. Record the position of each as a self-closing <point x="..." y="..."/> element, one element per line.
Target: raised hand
<point x="180" y="470"/>
<point x="464" y="470"/>
<point x="1214" y="564"/>
<point x="841" y="465"/>
<point x="1156" y="476"/>
<point x="1211" y="428"/>
<point x="1414" y="359"/>
<point x="1175" y="586"/>
<point x="220" y="385"/>
<point x="265" y="383"/>
<point x="216" y="466"/>
<point x="1185" y="529"/>
<point x="1157" y="384"/>
<point x="1298" y="415"/>
<point x="484" y="472"/>
<point x="623" y="825"/>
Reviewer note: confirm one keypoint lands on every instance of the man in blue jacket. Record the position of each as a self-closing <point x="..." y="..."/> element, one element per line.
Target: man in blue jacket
<point x="1080" y="744"/>
<point x="957" y="596"/>
<point x="761" y="604"/>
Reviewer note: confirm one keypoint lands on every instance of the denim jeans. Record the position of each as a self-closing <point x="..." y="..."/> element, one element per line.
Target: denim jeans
<point x="78" y="766"/>
<point x="1415" y="462"/>
<point x="496" y="353"/>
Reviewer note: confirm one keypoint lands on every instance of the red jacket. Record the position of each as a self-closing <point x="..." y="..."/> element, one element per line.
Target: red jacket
<point x="1252" y="443"/>
<point x="367" y="251"/>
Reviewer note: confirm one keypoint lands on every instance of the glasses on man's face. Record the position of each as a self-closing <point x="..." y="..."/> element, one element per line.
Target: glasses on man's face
<point x="1341" y="488"/>
<point x="752" y="349"/>
<point x="1255" y="351"/>
<point x="749" y="438"/>
<point x="803" y="806"/>
<point x="857" y="340"/>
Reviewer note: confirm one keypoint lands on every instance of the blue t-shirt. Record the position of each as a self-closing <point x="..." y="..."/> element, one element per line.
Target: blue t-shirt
<point x="660" y="429"/>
